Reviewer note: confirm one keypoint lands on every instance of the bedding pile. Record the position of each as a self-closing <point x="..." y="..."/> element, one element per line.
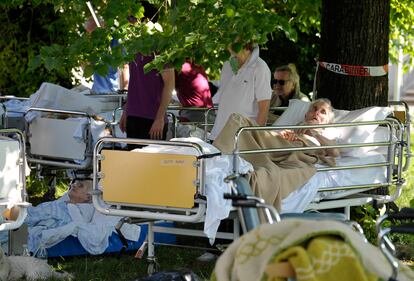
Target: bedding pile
<point x="51" y="222"/>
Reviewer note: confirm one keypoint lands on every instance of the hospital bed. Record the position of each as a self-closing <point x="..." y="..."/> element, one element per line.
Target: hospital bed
<point x="61" y="132"/>
<point x="164" y="184"/>
<point x="374" y="154"/>
<point x="13" y="197"/>
<point x="199" y="128"/>
<point x="12" y="112"/>
<point x="51" y="141"/>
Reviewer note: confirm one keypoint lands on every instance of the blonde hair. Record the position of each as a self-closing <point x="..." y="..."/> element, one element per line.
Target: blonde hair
<point x="293" y="76"/>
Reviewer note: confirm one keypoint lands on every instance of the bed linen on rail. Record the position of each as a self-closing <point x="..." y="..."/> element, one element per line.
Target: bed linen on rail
<point x="51" y="222"/>
<point x="52" y="96"/>
<point x="298" y="200"/>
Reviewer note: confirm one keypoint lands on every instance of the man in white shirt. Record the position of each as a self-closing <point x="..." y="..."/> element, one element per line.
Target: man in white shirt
<point x="244" y="88"/>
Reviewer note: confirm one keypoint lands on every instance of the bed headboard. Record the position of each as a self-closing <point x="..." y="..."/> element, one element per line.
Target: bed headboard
<point x="158" y="179"/>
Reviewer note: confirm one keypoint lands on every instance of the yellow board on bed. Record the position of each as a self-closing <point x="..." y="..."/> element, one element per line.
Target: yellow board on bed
<point x="141" y="178"/>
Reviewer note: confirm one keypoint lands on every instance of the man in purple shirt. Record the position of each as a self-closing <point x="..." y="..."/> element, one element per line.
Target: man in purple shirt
<point x="193" y="90"/>
<point x="149" y="95"/>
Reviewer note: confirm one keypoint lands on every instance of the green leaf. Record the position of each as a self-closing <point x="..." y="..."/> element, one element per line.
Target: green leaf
<point x="229" y="12"/>
<point x="88" y="71"/>
<point x="34" y="63"/>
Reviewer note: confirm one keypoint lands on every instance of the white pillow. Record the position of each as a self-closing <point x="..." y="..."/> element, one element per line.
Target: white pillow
<point x="294" y="114"/>
<point x="361" y="134"/>
<point x="380" y="134"/>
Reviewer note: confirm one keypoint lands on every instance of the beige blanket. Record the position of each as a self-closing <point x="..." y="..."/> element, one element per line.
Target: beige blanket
<point x="275" y="174"/>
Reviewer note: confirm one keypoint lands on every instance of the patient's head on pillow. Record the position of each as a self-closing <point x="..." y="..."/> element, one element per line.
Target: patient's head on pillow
<point x="320" y="112"/>
<point x="79" y="191"/>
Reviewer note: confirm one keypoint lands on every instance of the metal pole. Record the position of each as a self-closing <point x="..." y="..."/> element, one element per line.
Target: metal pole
<point x="95" y="18"/>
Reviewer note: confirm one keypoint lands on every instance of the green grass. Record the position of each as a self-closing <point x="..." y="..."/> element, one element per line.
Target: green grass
<point x="126" y="267"/>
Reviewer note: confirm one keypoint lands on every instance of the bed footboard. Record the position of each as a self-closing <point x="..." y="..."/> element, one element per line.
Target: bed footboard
<point x="154" y="186"/>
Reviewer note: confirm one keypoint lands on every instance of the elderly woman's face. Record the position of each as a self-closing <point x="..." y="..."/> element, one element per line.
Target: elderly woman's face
<point x="319" y="113"/>
<point x="283" y="86"/>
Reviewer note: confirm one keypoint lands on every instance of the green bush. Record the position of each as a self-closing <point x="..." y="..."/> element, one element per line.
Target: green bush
<point x="25" y="29"/>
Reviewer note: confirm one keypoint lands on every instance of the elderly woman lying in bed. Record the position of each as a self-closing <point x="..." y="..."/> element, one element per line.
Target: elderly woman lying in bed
<point x="277" y="174"/>
<point x="320" y="112"/>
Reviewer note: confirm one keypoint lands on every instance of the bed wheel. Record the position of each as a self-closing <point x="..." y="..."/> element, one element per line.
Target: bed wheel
<point x="153" y="266"/>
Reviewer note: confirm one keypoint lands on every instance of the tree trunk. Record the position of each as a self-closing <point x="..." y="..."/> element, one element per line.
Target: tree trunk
<point x="354" y="32"/>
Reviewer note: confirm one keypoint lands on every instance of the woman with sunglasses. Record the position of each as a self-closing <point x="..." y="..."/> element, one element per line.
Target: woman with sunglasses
<point x="286" y="86"/>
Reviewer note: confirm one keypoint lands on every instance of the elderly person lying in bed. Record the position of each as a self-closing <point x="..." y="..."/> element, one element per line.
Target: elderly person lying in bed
<point x="320" y="112"/>
<point x="277" y="174"/>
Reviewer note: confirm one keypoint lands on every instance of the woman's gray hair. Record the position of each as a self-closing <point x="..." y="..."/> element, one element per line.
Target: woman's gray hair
<point x="293" y="76"/>
<point x="330" y="107"/>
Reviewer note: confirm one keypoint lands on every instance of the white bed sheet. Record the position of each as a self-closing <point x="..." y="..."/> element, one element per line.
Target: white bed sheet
<point x="298" y="200"/>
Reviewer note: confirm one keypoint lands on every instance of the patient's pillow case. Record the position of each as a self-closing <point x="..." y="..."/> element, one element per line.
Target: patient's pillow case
<point x="297" y="109"/>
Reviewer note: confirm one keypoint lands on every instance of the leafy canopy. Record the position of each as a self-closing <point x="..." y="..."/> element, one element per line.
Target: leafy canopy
<point x="201" y="30"/>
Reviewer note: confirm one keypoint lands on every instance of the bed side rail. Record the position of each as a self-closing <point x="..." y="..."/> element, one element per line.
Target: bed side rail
<point x="108" y="182"/>
<point x="402" y="113"/>
<point x="9" y="118"/>
<point x="3" y="114"/>
<point x="393" y="163"/>
<point x="111" y="100"/>
<point x="205" y="124"/>
<point x="51" y="139"/>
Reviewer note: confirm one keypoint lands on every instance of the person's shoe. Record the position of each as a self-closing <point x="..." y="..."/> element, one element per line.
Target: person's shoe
<point x="206" y="257"/>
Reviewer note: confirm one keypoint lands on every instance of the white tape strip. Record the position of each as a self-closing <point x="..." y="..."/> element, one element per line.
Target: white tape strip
<point x="355" y="70"/>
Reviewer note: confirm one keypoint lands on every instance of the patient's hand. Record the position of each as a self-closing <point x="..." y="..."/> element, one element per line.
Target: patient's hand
<point x="305" y="131"/>
<point x="289" y="135"/>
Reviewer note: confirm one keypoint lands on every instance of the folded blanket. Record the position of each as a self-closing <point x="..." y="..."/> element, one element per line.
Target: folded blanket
<point x="276" y="174"/>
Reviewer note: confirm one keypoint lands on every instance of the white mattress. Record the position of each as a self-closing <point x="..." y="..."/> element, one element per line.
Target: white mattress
<point x="298" y="200"/>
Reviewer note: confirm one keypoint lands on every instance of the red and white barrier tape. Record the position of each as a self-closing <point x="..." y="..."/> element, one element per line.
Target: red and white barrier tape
<point x="355" y="70"/>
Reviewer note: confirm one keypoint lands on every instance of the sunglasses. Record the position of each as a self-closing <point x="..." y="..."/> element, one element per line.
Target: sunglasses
<point x="280" y="82"/>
